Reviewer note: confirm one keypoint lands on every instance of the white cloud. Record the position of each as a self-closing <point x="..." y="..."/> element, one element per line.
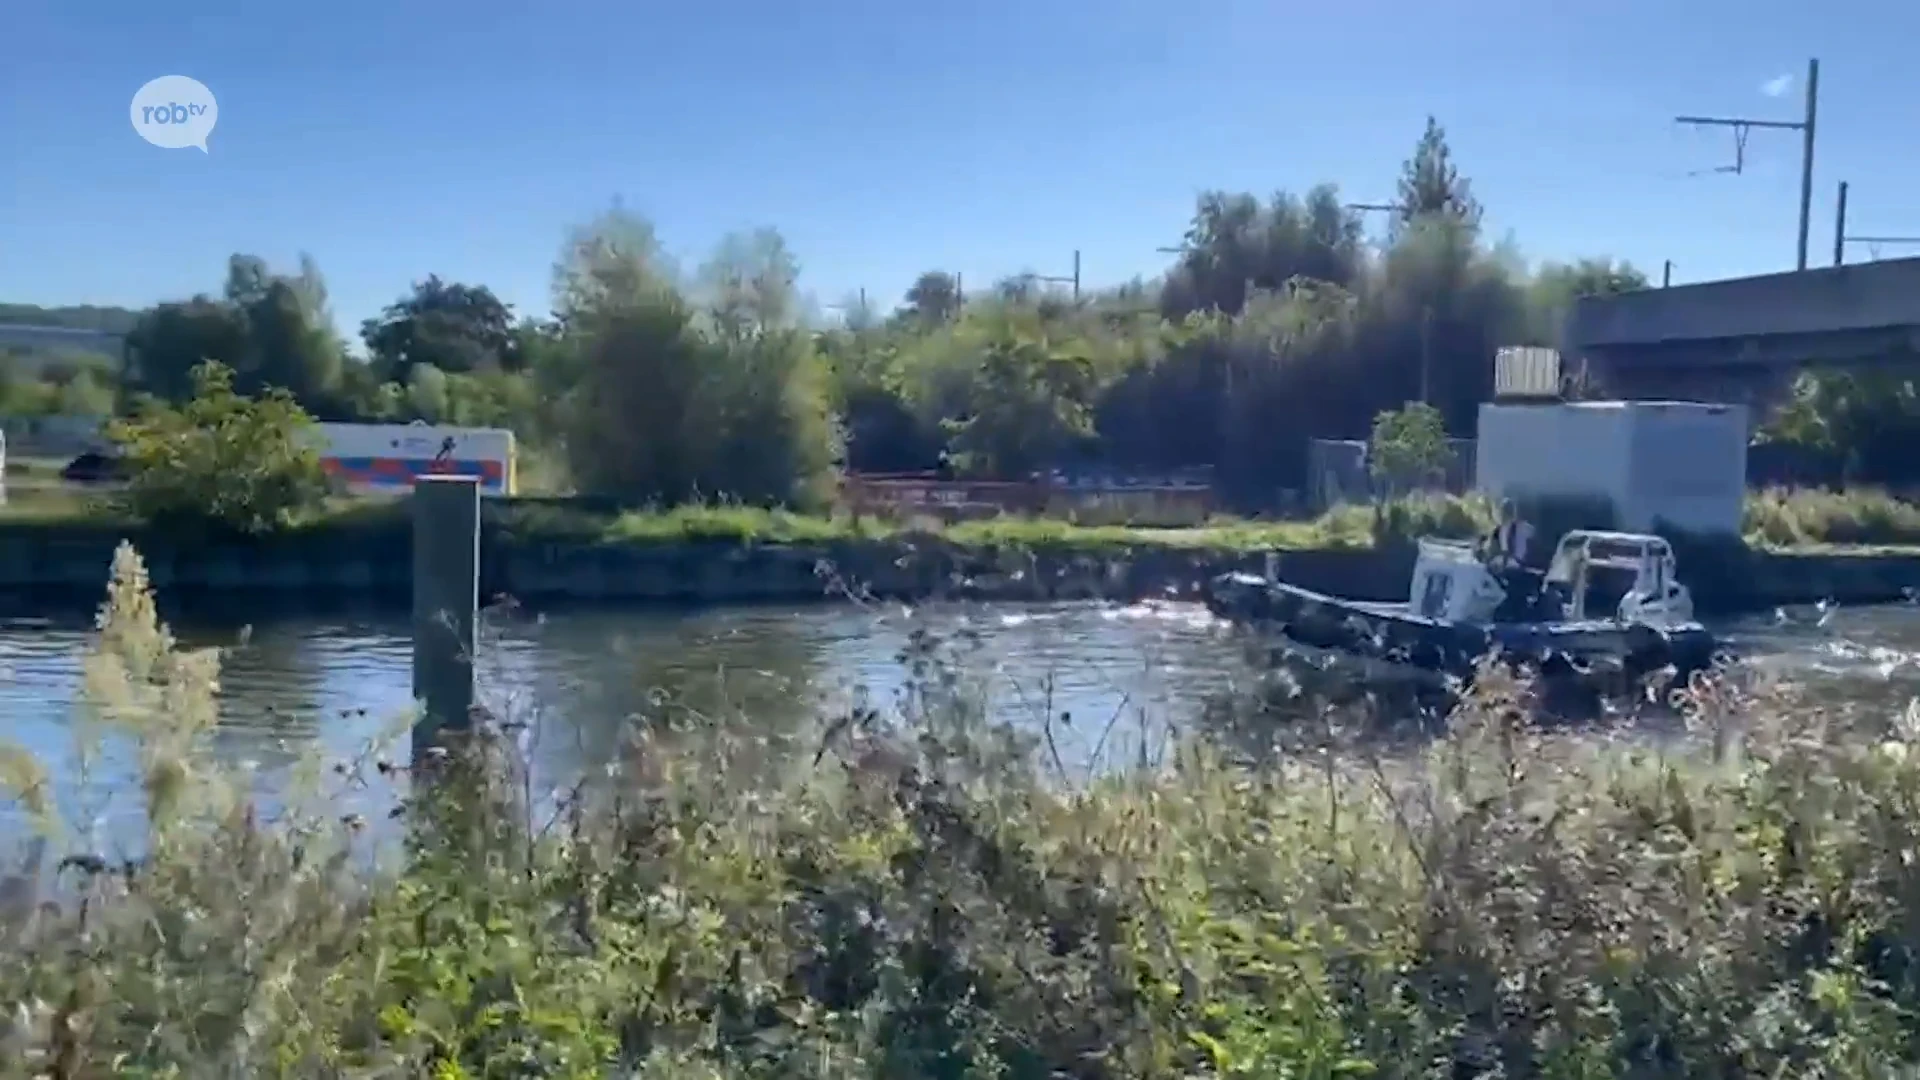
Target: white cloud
<point x="1777" y="85"/>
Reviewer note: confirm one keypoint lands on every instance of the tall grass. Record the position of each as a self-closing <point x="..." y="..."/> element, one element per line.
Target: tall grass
<point x="1784" y="517"/>
<point x="914" y="896"/>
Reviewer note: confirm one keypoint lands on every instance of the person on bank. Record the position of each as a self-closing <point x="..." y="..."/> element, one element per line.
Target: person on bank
<point x="1505" y="551"/>
<point x="1506" y="547"/>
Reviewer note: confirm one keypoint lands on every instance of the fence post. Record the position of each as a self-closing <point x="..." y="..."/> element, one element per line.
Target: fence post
<point x="446" y="603"/>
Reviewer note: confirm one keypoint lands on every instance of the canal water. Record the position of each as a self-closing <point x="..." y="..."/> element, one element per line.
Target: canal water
<point x="1113" y="679"/>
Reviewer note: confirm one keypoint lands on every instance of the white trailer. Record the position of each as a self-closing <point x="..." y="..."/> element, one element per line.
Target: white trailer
<point x="388" y="458"/>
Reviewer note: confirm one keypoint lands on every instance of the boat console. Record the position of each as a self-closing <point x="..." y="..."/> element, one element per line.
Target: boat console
<point x="1590" y="566"/>
<point x="1594" y="575"/>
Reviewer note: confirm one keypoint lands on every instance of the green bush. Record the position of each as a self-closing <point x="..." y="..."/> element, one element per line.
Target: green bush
<point x="1408" y="446"/>
<point x="246" y="464"/>
<point x="1413" y="516"/>
<point x="1401" y="520"/>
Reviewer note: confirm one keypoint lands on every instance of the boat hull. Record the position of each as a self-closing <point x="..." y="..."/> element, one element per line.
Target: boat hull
<point x="1392" y="637"/>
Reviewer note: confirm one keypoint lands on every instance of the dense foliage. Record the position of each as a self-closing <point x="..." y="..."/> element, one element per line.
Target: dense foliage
<point x="1279" y="322"/>
<point x="908" y="893"/>
<point x="1859" y="425"/>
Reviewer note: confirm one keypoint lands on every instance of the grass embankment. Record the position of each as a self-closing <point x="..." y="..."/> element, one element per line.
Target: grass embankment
<point x="906" y="895"/>
<point x="535" y="520"/>
<point x="1781" y="517"/>
<point x="1776" y="518"/>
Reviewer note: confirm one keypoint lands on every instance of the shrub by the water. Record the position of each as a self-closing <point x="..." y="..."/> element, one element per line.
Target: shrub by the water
<point x="907" y="894"/>
<point x="247" y="464"/>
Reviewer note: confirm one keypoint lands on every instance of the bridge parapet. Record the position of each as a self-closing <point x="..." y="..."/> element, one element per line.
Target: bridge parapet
<point x="1810" y="304"/>
<point x="1761" y="388"/>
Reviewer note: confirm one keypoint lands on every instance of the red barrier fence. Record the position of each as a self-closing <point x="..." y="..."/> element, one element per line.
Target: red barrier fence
<point x="893" y="495"/>
<point x="948" y="499"/>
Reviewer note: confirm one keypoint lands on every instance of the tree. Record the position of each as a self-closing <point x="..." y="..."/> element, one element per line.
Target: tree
<point x="749" y="285"/>
<point x="89" y="392"/>
<point x="1866" y="422"/>
<point x="267" y="330"/>
<point x="613" y="260"/>
<point x="1408" y="447"/>
<point x="775" y="438"/>
<point x="287" y="348"/>
<point x="427" y="396"/>
<point x="247" y="464"/>
<point x="247" y="279"/>
<point x="1236" y="246"/>
<point x="453" y="327"/>
<point x="933" y="298"/>
<point x="670" y="406"/>
<point x="173" y="339"/>
<point x="1555" y="288"/>
<point x="1032" y="402"/>
<point x="1430" y="184"/>
<point x="64" y="386"/>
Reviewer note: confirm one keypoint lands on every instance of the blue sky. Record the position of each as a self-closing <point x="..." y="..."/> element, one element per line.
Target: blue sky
<point x="396" y="139"/>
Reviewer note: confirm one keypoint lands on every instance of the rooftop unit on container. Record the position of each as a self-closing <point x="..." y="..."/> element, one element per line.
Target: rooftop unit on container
<point x="1680" y="464"/>
<point x="1526" y="373"/>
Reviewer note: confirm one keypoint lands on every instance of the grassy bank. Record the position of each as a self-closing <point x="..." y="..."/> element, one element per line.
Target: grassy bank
<point x="558" y="520"/>
<point x="1776" y="518"/>
<point x="909" y="894"/>
<point x="1798" y="518"/>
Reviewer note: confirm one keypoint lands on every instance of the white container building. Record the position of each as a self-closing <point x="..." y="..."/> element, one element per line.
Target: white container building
<point x="1678" y="463"/>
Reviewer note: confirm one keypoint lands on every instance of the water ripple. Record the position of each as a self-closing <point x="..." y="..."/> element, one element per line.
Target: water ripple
<point x="298" y="684"/>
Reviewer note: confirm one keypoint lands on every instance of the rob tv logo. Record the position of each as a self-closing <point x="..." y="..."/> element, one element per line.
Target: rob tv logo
<point x="174" y="112"/>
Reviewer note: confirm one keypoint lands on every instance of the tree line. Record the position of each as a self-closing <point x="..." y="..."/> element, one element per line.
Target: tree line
<point x="1281" y="321"/>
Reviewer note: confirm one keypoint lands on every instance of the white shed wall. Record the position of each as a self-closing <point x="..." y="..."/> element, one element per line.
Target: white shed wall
<point x="1534" y="451"/>
<point x="1688" y="467"/>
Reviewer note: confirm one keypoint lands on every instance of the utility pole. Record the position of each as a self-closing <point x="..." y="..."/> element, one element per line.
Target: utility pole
<point x="1841" y="238"/>
<point x="1358" y="208"/>
<point x="1840" y="225"/>
<point x="1666" y="274"/>
<point x="843" y="309"/>
<point x="1188" y="249"/>
<point x="1056" y="279"/>
<point x="1805" y="127"/>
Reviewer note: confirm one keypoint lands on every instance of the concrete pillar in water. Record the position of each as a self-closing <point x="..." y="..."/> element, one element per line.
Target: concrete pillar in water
<point x="446" y="602"/>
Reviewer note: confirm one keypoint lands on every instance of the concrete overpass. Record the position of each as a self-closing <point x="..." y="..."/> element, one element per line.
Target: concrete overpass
<point x="1744" y="339"/>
